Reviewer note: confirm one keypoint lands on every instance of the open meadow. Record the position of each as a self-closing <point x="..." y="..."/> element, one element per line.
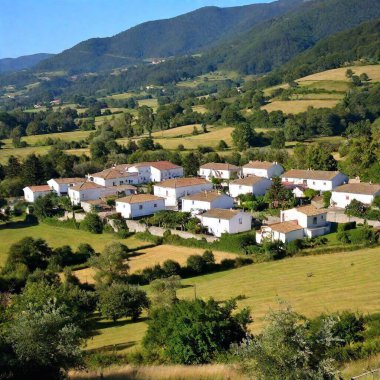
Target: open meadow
<point x="297" y="106"/>
<point x="312" y="285"/>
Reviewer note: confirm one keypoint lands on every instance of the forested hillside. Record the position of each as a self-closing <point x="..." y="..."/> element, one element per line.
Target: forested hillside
<point x="23" y="62"/>
<point x="184" y="34"/>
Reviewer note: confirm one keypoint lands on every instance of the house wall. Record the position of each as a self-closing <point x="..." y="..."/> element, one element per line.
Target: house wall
<point x="240" y="223"/>
<point x="319" y="185"/>
<point x="344" y="199"/>
<point x="84" y="195"/>
<point x="302" y="219"/>
<point x="31" y="196"/>
<point x="172" y="195"/>
<point x="223" y="174"/>
<point x="259" y="188"/>
<point x="135" y="210"/>
<point x="274" y="171"/>
<point x="126" y="180"/>
<point x="162" y="175"/>
<point x="222" y="202"/>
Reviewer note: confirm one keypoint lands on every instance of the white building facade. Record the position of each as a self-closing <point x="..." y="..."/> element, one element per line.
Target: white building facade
<point x="319" y="180"/>
<point x="219" y="171"/>
<point x="32" y="193"/>
<point x="175" y="189"/>
<point x="206" y="200"/>
<point x="61" y="185"/>
<point x="263" y="169"/>
<point x="365" y="193"/>
<point x="249" y="185"/>
<point x="138" y="205"/>
<point x="221" y="221"/>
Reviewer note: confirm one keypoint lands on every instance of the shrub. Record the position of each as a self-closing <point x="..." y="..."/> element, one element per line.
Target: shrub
<point x="92" y="223"/>
<point x="346" y="226"/>
<point x="196" y="264"/>
<point x="171" y="268"/>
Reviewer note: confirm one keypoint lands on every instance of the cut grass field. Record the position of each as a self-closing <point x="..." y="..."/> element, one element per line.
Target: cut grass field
<point x="148" y="257"/>
<point x="312" y="285"/>
<point x="56" y="237"/>
<point x="297" y="106"/>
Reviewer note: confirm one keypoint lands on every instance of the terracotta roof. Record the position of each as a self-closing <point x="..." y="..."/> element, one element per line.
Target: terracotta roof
<point x="310" y="174"/>
<point x="87" y="186"/>
<point x="39" y="188"/>
<point x="220" y="213"/>
<point x="122" y="187"/>
<point x="112" y="173"/>
<point x="248" y="181"/>
<point x="219" y="166"/>
<point x="358" y="188"/>
<point x="285" y="227"/>
<point x="68" y="180"/>
<point x="182" y="182"/>
<point x="205" y="196"/>
<point x="259" y="165"/>
<point x="310" y="210"/>
<point x="139" y="198"/>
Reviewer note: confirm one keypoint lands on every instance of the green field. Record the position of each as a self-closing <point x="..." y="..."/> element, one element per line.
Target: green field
<point x="56" y="237"/>
<point x="312" y="284"/>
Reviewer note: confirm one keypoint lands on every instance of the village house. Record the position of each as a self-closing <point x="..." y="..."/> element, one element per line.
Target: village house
<point x="95" y="205"/>
<point x="249" y="185"/>
<point x="32" y="193"/>
<point x="296" y="223"/>
<point x="138" y="205"/>
<point x="134" y="174"/>
<point x="220" y="221"/>
<point x="87" y="191"/>
<point x="319" y="180"/>
<point x="219" y="171"/>
<point x="174" y="189"/>
<point x="206" y="200"/>
<point x="61" y="185"/>
<point x="263" y="169"/>
<point x="363" y="192"/>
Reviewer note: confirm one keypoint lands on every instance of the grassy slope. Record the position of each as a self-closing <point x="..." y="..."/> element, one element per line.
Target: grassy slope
<point x="57" y="236"/>
<point x="313" y="285"/>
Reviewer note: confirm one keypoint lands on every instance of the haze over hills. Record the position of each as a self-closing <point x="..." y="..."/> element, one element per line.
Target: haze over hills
<point x="185" y="34"/>
<point x="23" y="62"/>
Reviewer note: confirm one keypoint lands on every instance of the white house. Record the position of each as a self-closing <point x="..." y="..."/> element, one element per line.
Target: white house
<point x="138" y="205"/>
<point x="249" y="185"/>
<point x="219" y="221"/>
<point x="32" y="193"/>
<point x="156" y="171"/>
<point x="206" y="200"/>
<point x="90" y="191"/>
<point x="61" y="185"/>
<point x="342" y="196"/>
<point x="114" y="177"/>
<point x="174" y="189"/>
<point x="142" y="172"/>
<point x="219" y="170"/>
<point x="319" y="180"/>
<point x="262" y="169"/>
<point x="296" y="223"/>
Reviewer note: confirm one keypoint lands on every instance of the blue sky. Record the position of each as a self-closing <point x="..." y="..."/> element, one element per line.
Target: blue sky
<point x="50" y="26"/>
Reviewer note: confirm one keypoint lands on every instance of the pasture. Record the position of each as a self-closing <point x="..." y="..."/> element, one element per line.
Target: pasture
<point x="56" y="237"/>
<point x="297" y="106"/>
<point x="312" y="285"/>
<point x="148" y="257"/>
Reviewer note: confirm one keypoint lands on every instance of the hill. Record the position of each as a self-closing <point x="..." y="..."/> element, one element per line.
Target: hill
<point x="176" y="36"/>
<point x="23" y="62"/>
<point x="275" y="42"/>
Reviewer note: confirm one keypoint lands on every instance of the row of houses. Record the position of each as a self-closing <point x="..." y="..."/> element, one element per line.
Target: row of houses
<point x="196" y="194"/>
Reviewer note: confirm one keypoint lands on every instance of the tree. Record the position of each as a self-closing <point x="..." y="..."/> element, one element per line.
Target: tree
<point x="120" y="300"/>
<point x="222" y="145"/>
<point x="171" y="268"/>
<point x="146" y="119"/>
<point x="287" y="349"/>
<point x="243" y="136"/>
<point x="190" y="164"/>
<point x="194" y="332"/>
<point x="196" y="263"/>
<point x="278" y="141"/>
<point x="112" y="264"/>
<point x="45" y="206"/>
<point x="146" y="144"/>
<point x="164" y="291"/>
<point x="349" y="73"/>
<point x="277" y="194"/>
<point x="356" y="208"/>
<point x="92" y="223"/>
<point x="44" y="342"/>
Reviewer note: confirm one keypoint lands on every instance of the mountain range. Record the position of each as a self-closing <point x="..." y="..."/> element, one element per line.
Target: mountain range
<point x="23" y="62"/>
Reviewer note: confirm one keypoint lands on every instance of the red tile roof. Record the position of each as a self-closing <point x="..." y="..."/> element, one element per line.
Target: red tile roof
<point x="139" y="198"/>
<point x="259" y="165"/>
<point x="219" y="166"/>
<point x="182" y="182"/>
<point x="39" y="188"/>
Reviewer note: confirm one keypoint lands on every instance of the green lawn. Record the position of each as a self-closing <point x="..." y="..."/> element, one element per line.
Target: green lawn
<point x="312" y="284"/>
<point x="56" y="236"/>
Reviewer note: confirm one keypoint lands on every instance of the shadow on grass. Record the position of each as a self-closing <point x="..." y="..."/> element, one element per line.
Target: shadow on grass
<point x="17" y="225"/>
<point x="114" y="347"/>
<point x="97" y="323"/>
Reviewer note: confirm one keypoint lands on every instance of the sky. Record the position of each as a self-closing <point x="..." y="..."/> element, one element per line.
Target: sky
<point x="50" y="26"/>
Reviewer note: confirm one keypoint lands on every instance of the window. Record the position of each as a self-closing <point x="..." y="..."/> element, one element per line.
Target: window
<point x="315" y="220"/>
<point x="192" y="202"/>
<point x="347" y="197"/>
<point x="322" y="217"/>
<point x="155" y="205"/>
<point x="219" y="221"/>
<point x="113" y="183"/>
<point x="121" y="182"/>
<point x="313" y="182"/>
<point x="324" y="183"/>
<point x="240" y="220"/>
<point x="167" y="193"/>
<point x="140" y="207"/>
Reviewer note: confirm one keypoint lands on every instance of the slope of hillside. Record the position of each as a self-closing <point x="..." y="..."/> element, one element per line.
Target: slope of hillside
<point x="23" y="62"/>
<point x="273" y="43"/>
<point x="180" y="35"/>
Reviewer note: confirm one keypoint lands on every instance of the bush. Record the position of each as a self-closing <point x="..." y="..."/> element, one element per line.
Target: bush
<point x="171" y="268"/>
<point x="346" y="226"/>
<point x="196" y="264"/>
<point x="92" y="223"/>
